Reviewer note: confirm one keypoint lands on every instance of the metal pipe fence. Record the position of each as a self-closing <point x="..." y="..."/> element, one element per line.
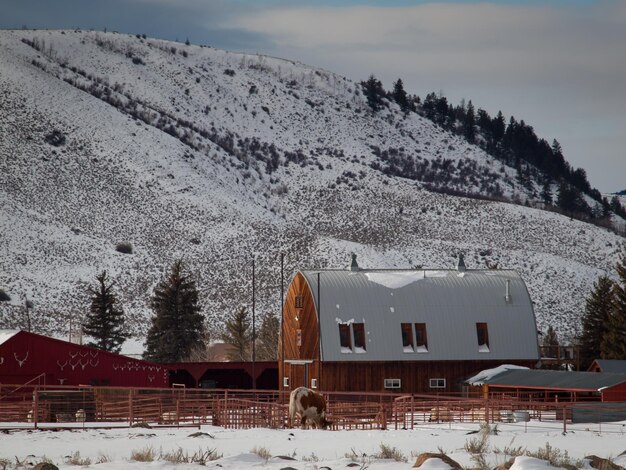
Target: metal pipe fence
<point x="67" y="406"/>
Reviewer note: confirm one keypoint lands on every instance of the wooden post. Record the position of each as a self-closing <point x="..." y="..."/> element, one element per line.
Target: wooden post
<point x="130" y="407"/>
<point x="36" y="407"/>
<point x="564" y="419"/>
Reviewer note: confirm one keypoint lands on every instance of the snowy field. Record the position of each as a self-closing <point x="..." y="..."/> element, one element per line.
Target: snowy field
<point x="312" y="449"/>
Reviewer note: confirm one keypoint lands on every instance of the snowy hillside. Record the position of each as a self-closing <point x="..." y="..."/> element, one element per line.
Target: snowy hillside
<point x="214" y="157"/>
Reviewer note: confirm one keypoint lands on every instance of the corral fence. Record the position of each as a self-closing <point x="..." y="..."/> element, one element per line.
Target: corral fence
<point x="66" y="406"/>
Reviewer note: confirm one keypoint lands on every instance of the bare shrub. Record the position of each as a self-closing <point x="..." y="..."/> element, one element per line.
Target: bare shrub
<point x="125" y="248"/>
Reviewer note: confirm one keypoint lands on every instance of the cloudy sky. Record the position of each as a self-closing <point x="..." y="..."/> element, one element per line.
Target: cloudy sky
<point x="560" y="65"/>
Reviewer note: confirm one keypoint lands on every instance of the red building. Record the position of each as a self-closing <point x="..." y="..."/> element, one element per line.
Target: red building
<point x="28" y="357"/>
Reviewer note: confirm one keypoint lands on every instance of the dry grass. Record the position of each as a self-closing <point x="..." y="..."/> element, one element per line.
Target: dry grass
<point x="200" y="457"/>
<point x="76" y="459"/>
<point x="556" y="457"/>
<point x="147" y="454"/>
<point x="262" y="452"/>
<point x="388" y="452"/>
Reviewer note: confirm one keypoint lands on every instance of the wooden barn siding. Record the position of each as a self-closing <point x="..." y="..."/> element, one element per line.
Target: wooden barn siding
<point x="415" y="376"/>
<point x="307" y="322"/>
<point x="616" y="393"/>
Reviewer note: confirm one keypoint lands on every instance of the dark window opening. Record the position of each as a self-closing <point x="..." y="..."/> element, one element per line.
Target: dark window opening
<point x="482" y="334"/>
<point x="407" y="336"/>
<point x="344" y="336"/>
<point x="359" y="335"/>
<point x="421" y="340"/>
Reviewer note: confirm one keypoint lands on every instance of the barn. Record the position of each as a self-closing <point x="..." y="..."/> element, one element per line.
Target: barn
<point x="410" y="331"/>
<point x="26" y="357"/>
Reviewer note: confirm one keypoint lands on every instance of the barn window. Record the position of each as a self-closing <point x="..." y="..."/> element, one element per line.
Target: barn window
<point x="313" y="383"/>
<point x="344" y="338"/>
<point x="482" y="334"/>
<point x="421" y="339"/>
<point x="285" y="381"/>
<point x="392" y="383"/>
<point x="299" y="301"/>
<point x="437" y="383"/>
<point x="407" y="337"/>
<point x="359" y="336"/>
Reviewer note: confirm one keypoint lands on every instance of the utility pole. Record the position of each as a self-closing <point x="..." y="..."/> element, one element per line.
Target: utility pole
<point x="281" y="385"/>
<point x="28" y="304"/>
<point x="253" y="329"/>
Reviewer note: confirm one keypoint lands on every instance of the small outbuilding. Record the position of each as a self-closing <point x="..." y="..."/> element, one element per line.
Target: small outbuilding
<point x="410" y="331"/>
<point x="614" y="366"/>
<point x="30" y="357"/>
<point x="553" y="385"/>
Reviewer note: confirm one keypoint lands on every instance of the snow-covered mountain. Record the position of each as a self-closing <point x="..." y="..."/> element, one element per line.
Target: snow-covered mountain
<point x="191" y="152"/>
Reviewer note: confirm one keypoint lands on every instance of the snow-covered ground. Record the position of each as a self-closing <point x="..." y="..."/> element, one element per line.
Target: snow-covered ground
<point x="111" y="449"/>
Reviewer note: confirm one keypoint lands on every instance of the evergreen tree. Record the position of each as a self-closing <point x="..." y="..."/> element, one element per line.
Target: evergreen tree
<point x="546" y="191"/>
<point x="105" y="321"/>
<point x="598" y="308"/>
<point x="550" y="343"/>
<point x="399" y="95"/>
<point x="269" y="336"/>
<point x="238" y="335"/>
<point x="498" y="127"/>
<point x="374" y="92"/>
<point x="469" y="130"/>
<point x="177" y="325"/>
<point x="614" y="342"/>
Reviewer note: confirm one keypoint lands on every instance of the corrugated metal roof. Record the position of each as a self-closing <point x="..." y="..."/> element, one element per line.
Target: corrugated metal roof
<point x="555" y="379"/>
<point x="614" y="366"/>
<point x="448" y="301"/>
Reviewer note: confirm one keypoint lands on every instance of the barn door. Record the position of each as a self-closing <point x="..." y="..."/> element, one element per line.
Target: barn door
<point x="299" y="373"/>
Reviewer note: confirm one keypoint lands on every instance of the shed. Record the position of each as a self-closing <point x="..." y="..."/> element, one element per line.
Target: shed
<point x="553" y="384"/>
<point x="403" y="330"/>
<point x="236" y="374"/>
<point x="608" y="365"/>
<point x="26" y="356"/>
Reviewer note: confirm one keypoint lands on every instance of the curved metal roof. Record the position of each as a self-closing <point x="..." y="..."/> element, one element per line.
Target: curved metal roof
<point x="449" y="302"/>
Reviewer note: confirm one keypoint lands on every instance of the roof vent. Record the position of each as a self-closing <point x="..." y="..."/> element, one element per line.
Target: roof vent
<point x="460" y="266"/>
<point x="353" y="265"/>
<point x="507" y="292"/>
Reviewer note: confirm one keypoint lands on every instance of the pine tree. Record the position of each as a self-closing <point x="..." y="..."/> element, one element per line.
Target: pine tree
<point x="598" y="308"/>
<point x="469" y="130"/>
<point x="546" y="191"/>
<point x="374" y="92"/>
<point x="614" y="342"/>
<point x="177" y="326"/>
<point x="550" y="343"/>
<point x="267" y="348"/>
<point x="399" y="95"/>
<point x="238" y="335"/>
<point x="105" y="321"/>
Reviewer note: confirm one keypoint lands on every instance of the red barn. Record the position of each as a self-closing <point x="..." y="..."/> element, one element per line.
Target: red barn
<point x="26" y="356"/>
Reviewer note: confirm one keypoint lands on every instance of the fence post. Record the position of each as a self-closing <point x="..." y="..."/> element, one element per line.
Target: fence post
<point x="564" y="418"/>
<point x="130" y="407"/>
<point x="36" y="407"/>
<point x="177" y="412"/>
